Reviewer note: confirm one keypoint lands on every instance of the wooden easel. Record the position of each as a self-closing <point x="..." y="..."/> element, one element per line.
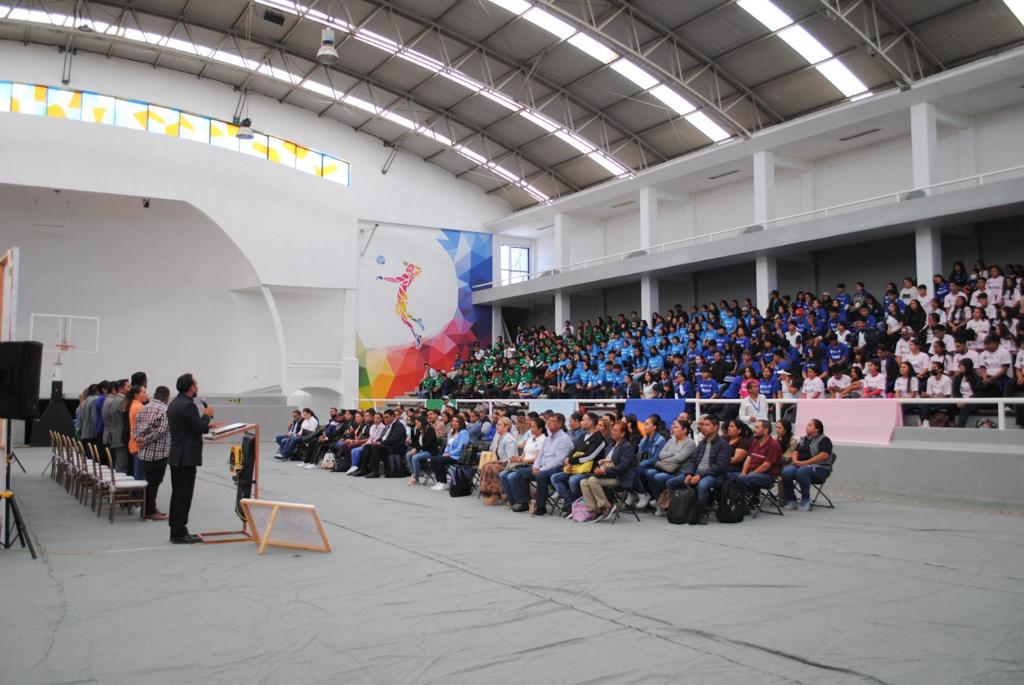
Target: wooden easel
<point x="265" y="538"/>
<point x="243" y="535"/>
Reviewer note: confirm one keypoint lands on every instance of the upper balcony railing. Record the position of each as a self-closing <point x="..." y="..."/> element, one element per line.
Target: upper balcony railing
<point x="833" y="210"/>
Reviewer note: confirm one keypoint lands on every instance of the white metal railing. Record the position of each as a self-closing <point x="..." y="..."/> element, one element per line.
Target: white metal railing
<point x="1000" y="402"/>
<point x="878" y="200"/>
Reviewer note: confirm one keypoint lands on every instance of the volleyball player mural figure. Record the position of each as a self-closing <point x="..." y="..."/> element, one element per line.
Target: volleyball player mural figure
<point x="404" y="281"/>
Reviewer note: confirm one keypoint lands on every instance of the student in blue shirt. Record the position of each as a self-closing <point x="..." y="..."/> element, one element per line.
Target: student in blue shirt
<point x="707" y="387"/>
<point x="655" y="362"/>
<point x="837" y="352"/>
<point x="768" y="384"/>
<point x="843" y="297"/>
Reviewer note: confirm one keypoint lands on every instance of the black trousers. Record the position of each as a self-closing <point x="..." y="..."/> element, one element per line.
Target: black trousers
<point x="154" y="471"/>
<point x="371" y="458"/>
<point x="183" y="483"/>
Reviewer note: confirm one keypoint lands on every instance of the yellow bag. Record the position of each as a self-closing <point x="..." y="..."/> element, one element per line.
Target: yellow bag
<point x="486" y="458"/>
<point x="578" y="469"/>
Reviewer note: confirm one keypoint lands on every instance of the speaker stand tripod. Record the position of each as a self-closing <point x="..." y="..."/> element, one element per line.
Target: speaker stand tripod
<point x="11" y="504"/>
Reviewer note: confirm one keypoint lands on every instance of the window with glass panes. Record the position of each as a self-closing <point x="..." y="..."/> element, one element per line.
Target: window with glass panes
<point x="515" y="264"/>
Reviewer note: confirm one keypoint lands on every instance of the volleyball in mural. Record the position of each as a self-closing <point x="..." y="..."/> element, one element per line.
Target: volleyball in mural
<point x="423" y="280"/>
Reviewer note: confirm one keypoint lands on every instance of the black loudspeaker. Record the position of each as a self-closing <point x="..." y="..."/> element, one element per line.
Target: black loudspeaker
<point x="21" y="364"/>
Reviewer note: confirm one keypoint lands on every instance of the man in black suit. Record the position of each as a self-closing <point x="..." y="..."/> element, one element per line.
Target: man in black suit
<point x="186" y="427"/>
<point x="392" y="441"/>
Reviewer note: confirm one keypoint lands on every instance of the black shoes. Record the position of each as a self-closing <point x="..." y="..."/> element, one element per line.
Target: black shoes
<point x="539" y="512"/>
<point x="372" y="475"/>
<point x="519" y="507"/>
<point x="186" y="540"/>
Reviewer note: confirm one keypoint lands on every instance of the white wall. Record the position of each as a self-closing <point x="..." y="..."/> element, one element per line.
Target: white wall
<point x="172" y="293"/>
<point x="297" y="232"/>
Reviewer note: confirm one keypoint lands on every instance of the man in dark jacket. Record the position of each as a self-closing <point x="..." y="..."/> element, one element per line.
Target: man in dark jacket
<point x="186" y="427"/>
<point x="392" y="441"/>
<point x="710" y="464"/>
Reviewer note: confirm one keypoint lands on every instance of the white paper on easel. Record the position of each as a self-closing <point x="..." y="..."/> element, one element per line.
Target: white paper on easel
<point x="296" y="525"/>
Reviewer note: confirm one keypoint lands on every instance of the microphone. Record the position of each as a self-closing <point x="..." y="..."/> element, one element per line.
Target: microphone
<point x="205" y="405"/>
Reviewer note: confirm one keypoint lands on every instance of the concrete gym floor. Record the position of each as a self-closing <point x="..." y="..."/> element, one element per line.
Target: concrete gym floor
<point x="423" y="588"/>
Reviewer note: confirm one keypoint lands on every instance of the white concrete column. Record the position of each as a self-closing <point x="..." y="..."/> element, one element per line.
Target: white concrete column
<point x="349" y="359"/>
<point x="928" y="250"/>
<point x="968" y="150"/>
<point x="563" y="312"/>
<point x="648" y="297"/>
<point x="562" y="227"/>
<point x="648" y="218"/>
<point x="766" y="280"/>
<point x="497" y="329"/>
<point x="925" y="149"/>
<point x="924" y="142"/>
<point x="764" y="186"/>
<point x="648" y="236"/>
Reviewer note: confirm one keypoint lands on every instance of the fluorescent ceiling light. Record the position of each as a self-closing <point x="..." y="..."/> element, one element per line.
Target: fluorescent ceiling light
<point x="861" y="96"/>
<point x="574" y="140"/>
<point x="320" y="88"/>
<point x="462" y="80"/>
<point x="539" y="120"/>
<point x="674" y="100"/>
<point x="609" y="164"/>
<point x="635" y="73"/>
<point x="703" y="123"/>
<point x="548" y="22"/>
<point x="513" y="6"/>
<point x="766" y="12"/>
<point x="418" y="58"/>
<point x="469" y="154"/>
<point x="598" y="51"/>
<point x="362" y="104"/>
<point x="506" y="102"/>
<point x="804" y="43"/>
<point x="399" y="119"/>
<point x="1017" y="7"/>
<point x="841" y="77"/>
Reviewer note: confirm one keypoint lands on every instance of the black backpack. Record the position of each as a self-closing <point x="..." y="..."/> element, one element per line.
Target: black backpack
<point x="731" y="504"/>
<point x="469" y="456"/>
<point x="460" y="484"/>
<point x="342" y="461"/>
<point x="682" y="506"/>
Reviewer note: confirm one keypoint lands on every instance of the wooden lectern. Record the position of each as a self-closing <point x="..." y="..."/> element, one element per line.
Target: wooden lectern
<point x="243" y="535"/>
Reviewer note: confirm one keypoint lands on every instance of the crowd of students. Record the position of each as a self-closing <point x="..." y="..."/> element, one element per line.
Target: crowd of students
<point x="960" y="338"/>
<point x="527" y="460"/>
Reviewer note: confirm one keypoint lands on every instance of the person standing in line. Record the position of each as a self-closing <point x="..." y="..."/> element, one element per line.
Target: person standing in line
<point x="87" y="420"/>
<point x="139" y="379"/>
<point x="153" y="440"/>
<point x="114" y="416"/>
<point x="186" y="426"/>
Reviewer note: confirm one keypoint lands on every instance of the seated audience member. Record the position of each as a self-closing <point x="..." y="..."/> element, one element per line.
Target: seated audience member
<point x="307" y="428"/>
<point x="738" y="435"/>
<point x="503" y="445"/>
<point x="391" y="441"/>
<point x="647" y="451"/>
<point x="615" y="471"/>
<point x="372" y="438"/>
<point x="709" y="465"/>
<point x="534" y="443"/>
<point x="586" y="451"/>
<point x="764" y="461"/>
<point x="292" y="433"/>
<point x="939" y="386"/>
<point x="838" y="382"/>
<point x="672" y="459"/>
<point x="555" y="449"/>
<point x="966" y="385"/>
<point x="423" y="447"/>
<point x="754" y="406"/>
<point x="787" y="441"/>
<point x="812" y="463"/>
<point x="873" y="383"/>
<point x="994" y="369"/>
<point x="457" y="441"/>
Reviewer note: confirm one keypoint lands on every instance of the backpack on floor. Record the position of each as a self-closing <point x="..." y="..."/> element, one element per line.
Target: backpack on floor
<point x="682" y="506"/>
<point x="396" y="465"/>
<point x="342" y="462"/>
<point x="580" y="512"/>
<point x="460" y="484"/>
<point x="731" y="504"/>
<point x="327" y="463"/>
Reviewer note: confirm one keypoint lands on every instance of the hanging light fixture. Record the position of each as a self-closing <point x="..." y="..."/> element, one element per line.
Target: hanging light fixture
<point x="244" y="129"/>
<point x="241" y="118"/>
<point x="327" y="54"/>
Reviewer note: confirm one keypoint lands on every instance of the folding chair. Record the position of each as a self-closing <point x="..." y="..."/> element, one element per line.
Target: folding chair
<point x="621" y="499"/>
<point x="128" y="491"/>
<point x="819" y="492"/>
<point x="757" y="499"/>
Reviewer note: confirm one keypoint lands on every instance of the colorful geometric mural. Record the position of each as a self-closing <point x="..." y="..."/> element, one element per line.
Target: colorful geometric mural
<point x="396" y="369"/>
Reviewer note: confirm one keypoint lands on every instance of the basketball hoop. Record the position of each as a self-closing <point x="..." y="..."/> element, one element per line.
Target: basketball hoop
<point x="64" y="347"/>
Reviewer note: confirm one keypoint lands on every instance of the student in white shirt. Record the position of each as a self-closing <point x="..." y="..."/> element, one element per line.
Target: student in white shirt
<point x="979" y="324"/>
<point x="909" y="290"/>
<point x="906" y="383"/>
<point x="919" y="360"/>
<point x="903" y="344"/>
<point x="813" y="388"/>
<point x="939" y="385"/>
<point x="874" y="381"/>
<point x="963" y="351"/>
<point x="995" y="367"/>
<point x="838" y="382"/>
